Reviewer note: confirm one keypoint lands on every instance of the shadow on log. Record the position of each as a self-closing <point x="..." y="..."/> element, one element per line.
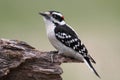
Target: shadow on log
<point x="20" y="61"/>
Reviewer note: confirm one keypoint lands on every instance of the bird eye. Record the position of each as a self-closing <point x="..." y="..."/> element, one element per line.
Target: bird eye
<point x="57" y="17"/>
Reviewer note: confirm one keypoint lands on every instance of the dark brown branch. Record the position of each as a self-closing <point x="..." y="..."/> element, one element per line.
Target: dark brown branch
<point x="20" y="61"/>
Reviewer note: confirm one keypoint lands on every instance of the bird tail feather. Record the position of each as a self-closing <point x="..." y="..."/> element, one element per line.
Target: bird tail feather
<point x="92" y="60"/>
<point x="88" y="63"/>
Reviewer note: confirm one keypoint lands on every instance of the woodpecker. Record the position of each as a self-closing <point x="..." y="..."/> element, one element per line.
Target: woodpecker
<point x="65" y="39"/>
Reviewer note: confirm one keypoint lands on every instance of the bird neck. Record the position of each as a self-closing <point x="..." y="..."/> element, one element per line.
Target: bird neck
<point x="50" y="26"/>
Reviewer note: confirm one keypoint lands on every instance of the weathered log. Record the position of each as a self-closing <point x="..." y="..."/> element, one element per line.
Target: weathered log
<point x="20" y="61"/>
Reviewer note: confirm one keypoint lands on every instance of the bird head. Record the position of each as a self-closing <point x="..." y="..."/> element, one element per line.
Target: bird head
<point x="54" y="17"/>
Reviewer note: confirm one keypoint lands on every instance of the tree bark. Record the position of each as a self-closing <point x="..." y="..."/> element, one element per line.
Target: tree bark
<point x="20" y="61"/>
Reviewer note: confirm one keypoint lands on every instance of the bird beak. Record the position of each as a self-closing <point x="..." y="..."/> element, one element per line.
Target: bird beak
<point x="43" y="14"/>
<point x="46" y="15"/>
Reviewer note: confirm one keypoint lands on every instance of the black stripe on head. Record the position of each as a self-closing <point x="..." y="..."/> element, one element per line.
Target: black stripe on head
<point x="57" y="15"/>
<point x="54" y="11"/>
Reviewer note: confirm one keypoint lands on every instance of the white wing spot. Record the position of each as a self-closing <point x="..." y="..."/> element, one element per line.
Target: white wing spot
<point x="76" y="39"/>
<point x="69" y="36"/>
<point x="63" y="34"/>
<point x="62" y="40"/>
<point x="79" y="51"/>
<point x="74" y="47"/>
<point x="60" y="36"/>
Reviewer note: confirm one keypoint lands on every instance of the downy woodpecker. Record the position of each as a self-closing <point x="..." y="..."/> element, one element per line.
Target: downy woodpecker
<point x="65" y="39"/>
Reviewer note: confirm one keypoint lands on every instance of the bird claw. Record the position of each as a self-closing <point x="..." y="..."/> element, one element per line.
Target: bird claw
<point x="52" y="55"/>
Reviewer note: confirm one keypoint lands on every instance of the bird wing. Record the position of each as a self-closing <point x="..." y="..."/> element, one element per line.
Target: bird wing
<point x="68" y="37"/>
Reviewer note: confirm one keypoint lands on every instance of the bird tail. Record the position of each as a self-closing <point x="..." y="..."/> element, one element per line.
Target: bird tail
<point x="88" y="63"/>
<point x="92" y="60"/>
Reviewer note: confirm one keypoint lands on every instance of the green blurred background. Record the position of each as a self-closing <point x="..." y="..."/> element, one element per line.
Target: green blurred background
<point x="97" y="23"/>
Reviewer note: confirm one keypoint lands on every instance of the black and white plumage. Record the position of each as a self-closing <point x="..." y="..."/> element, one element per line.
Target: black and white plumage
<point x="64" y="38"/>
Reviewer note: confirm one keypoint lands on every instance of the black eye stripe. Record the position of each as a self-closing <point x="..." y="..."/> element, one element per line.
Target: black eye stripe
<point x="57" y="17"/>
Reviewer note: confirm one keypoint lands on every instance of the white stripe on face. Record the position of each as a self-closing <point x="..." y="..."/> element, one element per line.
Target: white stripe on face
<point x="58" y="14"/>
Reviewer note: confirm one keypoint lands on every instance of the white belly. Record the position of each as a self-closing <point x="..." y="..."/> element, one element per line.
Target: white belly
<point x="64" y="50"/>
